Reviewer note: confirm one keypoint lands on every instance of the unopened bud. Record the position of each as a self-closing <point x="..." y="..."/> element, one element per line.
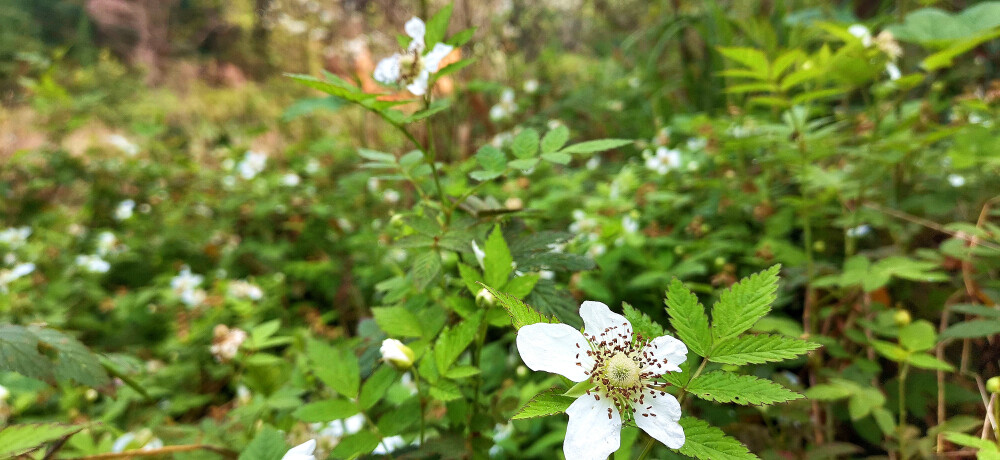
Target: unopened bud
<point x="4" y="393"/>
<point x="993" y="385"/>
<point x="397" y="354"/>
<point x="902" y="318"/>
<point x="485" y="298"/>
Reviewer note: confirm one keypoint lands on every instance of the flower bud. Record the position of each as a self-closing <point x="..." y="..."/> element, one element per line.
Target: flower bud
<point x="4" y="393"/>
<point x="902" y="318"/>
<point x="485" y="298"/>
<point x="993" y="385"/>
<point x="397" y="354"/>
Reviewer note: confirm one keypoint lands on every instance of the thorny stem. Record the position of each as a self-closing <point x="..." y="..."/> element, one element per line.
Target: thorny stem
<point x="428" y="152"/>
<point x="476" y="359"/>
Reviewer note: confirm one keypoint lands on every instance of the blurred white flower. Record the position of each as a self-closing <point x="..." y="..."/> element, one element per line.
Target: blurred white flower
<point x="302" y="451"/>
<point x="312" y="166"/>
<point x="291" y="180"/>
<point x="8" y="276"/>
<point x="479" y="253"/>
<point x="582" y="223"/>
<point x="955" y="180"/>
<point x="530" y="86"/>
<point x="859" y="231"/>
<point x="546" y="274"/>
<point x="92" y="263"/>
<point x="862" y="33"/>
<point x="593" y="162"/>
<point x="124" y="210"/>
<point x="122" y="143"/>
<point x="4" y="394"/>
<point x="396" y="353"/>
<point x="412" y="69"/>
<point x="893" y="70"/>
<point x="696" y="144"/>
<point x="373" y="184"/>
<point x="186" y="284"/>
<point x="502" y="139"/>
<point x="663" y="161"/>
<point x="107" y="243"/>
<point x="241" y="289"/>
<point x="616" y="105"/>
<point x="291" y="25"/>
<point x="597" y="250"/>
<point x="389" y="445"/>
<point x="390" y="196"/>
<point x="253" y="163"/>
<point x="226" y="342"/>
<point x="887" y="43"/>
<point x="629" y="224"/>
<point x="333" y="431"/>
<point x="506" y="107"/>
<point x="15" y="237"/>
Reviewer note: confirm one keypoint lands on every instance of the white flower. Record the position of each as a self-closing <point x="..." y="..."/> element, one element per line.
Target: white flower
<point x="593" y="162"/>
<point x="530" y="86"/>
<point x="226" y="342"/>
<point x="15" y="237"/>
<point x="623" y="369"/>
<point x="412" y="69"/>
<point x="8" y="276"/>
<point x="389" y="445"/>
<point x="887" y="43"/>
<point x="862" y="33"/>
<point x="302" y="451"/>
<point x="664" y="160"/>
<point x="582" y="223"/>
<point x="955" y="180"/>
<point x="4" y="394"/>
<point x="859" y="231"/>
<point x="893" y="70"/>
<point x="390" y="196"/>
<point x="695" y="144"/>
<point x="186" y="284"/>
<point x="253" y="163"/>
<point x="245" y="290"/>
<point x="396" y="353"/>
<point x="597" y="250"/>
<point x="312" y="166"/>
<point x="290" y="180"/>
<point x="92" y="263"/>
<point x="505" y="108"/>
<point x="629" y="224"/>
<point x="339" y="428"/>
<point x="124" y="209"/>
<point x="479" y="253"/>
<point x="107" y="243"/>
<point x="122" y="143"/>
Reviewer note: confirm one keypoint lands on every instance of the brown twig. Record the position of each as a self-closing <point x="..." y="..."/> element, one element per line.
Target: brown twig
<point x="225" y="453"/>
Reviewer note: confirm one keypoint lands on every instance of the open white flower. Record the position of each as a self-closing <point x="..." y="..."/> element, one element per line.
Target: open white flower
<point x="664" y="160"/>
<point x="862" y="33"/>
<point x="622" y="368"/>
<point x="124" y="210"/>
<point x="302" y="451"/>
<point x="414" y="68"/>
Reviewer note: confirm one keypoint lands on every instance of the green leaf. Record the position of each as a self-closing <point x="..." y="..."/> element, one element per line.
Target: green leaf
<point x="337" y="368"/>
<point x="454" y="340"/>
<point x="918" y="336"/>
<point x="828" y="392"/>
<point x="596" y="146"/>
<point x="724" y="387"/>
<point x="435" y="107"/>
<point x="688" y="318"/>
<point x="325" y="411"/>
<point x="555" y="139"/>
<point x="426" y="268"/>
<point x="334" y="86"/>
<point x="19" y="353"/>
<point x="497" y="262"/>
<point x="491" y="158"/>
<point x="520" y="314"/>
<point x="461" y="372"/>
<point x="437" y="26"/>
<point x="445" y="391"/>
<point x="561" y="158"/>
<point x="72" y="361"/>
<point x="378" y="157"/>
<point x="740" y="306"/>
<point x="397" y="321"/>
<point x="890" y="350"/>
<point x="521" y="286"/>
<point x="759" y="349"/>
<point x="525" y="145"/>
<point x="354" y="445"/>
<point x="485" y="175"/>
<point x="972" y="329"/>
<point x="462" y="37"/>
<point x="864" y="401"/>
<point x="523" y="164"/>
<point x="470" y="277"/>
<point x="945" y="57"/>
<point x="548" y="402"/>
<point x="375" y="387"/>
<point x="268" y="444"/>
<point x="979" y="310"/>
<point x="17" y="440"/>
<point x="642" y="324"/>
<point x="925" y="361"/>
<point x="706" y="442"/>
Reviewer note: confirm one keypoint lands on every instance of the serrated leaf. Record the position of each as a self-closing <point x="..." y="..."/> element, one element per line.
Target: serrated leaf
<point x="461" y="372"/>
<point x="462" y="37"/>
<point x="521" y="286"/>
<point x="437" y="26"/>
<point x="17" y="440"/>
<point x="491" y="158"/>
<point x="327" y="410"/>
<point x="435" y="107"/>
<point x="706" y="442"/>
<point x="596" y="146"/>
<point x="555" y="139"/>
<point x="470" y="277"/>
<point x="549" y="402"/>
<point x="688" y="318"/>
<point x="19" y="353"/>
<point x="918" y="336"/>
<point x="523" y="164"/>
<point x="561" y="158"/>
<point x="426" y="268"/>
<point x="497" y="262"/>
<point x="642" y="324"/>
<point x="740" y="306"/>
<point x="354" y="445"/>
<point x="334" y="86"/>
<point x="520" y="314"/>
<point x="525" y="144"/>
<point x="337" y="368"/>
<point x="445" y="391"/>
<point x="759" y="349"/>
<point x="454" y="340"/>
<point x="397" y="321"/>
<point x="972" y="329"/>
<point x="863" y="401"/>
<point x="724" y="387"/>
<point x="73" y="360"/>
<point x="268" y="444"/>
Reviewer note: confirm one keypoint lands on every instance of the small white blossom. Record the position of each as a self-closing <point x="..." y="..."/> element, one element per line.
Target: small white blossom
<point x="186" y="286"/>
<point x="107" y="243"/>
<point x="505" y="108"/>
<point x="4" y="394"/>
<point x="412" y="69"/>
<point x="955" y="180"/>
<point x="479" y="253"/>
<point x="396" y="353"/>
<point x="15" y="237"/>
<point x="597" y="250"/>
<point x="389" y="445"/>
<point x="226" y="342"/>
<point x="390" y="196"/>
<point x="124" y="210"/>
<point x="862" y="33"/>
<point x="859" y="231"/>
<point x="302" y="451"/>
<point x="593" y="162"/>
<point x="893" y="70"/>
<point x="312" y="166"/>
<point x="622" y="369"/>
<point x="245" y="290"/>
<point x="122" y="143"/>
<point x="291" y="180"/>
<point x="629" y="224"/>
<point x="530" y="86"/>
<point x="92" y="263"/>
<point x="252" y="164"/>
<point x="663" y="161"/>
<point x="8" y="276"/>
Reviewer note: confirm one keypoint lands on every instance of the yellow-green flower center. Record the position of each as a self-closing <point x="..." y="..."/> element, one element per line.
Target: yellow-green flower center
<point x="622" y="371"/>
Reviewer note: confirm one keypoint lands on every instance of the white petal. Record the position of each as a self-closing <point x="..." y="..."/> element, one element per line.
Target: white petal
<point x="664" y="354"/>
<point x="603" y="324"/>
<point x="556" y="348"/>
<point x="303" y="451"/>
<point x="387" y="70"/>
<point x="657" y="415"/>
<point x="594" y="429"/>
<point x="416" y="29"/>
<point x="432" y="60"/>
<point x="419" y="85"/>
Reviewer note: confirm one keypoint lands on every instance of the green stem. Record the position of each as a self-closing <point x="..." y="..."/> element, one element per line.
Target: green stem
<point x="476" y="359"/>
<point x="647" y="449"/>
<point x="432" y="160"/>
<point x="423" y="403"/>
<point x="902" y="407"/>
<point x="680" y="397"/>
<point x="377" y="432"/>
